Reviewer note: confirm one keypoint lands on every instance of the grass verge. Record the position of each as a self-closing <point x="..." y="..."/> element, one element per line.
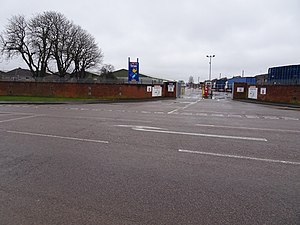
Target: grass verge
<point x="41" y="99"/>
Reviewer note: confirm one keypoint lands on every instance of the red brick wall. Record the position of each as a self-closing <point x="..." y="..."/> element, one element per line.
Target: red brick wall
<point x="74" y="90"/>
<point x="274" y="93"/>
<point x="240" y="95"/>
<point x="282" y="93"/>
<point x="166" y="93"/>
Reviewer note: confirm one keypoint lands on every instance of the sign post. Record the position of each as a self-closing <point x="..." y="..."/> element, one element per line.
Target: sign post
<point x="133" y="70"/>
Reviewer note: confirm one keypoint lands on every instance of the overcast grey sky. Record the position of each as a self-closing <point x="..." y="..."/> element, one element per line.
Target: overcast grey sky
<point x="171" y="38"/>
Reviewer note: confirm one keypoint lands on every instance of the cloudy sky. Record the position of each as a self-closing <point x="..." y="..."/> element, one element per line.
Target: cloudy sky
<point x="171" y="38"/>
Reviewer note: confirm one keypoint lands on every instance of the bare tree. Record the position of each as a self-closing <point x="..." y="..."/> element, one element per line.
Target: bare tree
<point x="73" y="47"/>
<point x="40" y="28"/>
<point x="86" y="53"/>
<point x="107" y="72"/>
<point x="61" y="38"/>
<point x="15" y="41"/>
<point x="107" y="69"/>
<point x="50" y="42"/>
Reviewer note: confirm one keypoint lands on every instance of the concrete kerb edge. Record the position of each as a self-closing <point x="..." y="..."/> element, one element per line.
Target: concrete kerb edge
<point x="85" y="102"/>
<point x="280" y="104"/>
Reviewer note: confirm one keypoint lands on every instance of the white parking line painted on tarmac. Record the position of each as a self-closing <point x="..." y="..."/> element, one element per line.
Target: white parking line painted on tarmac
<point x="55" y="136"/>
<point x="173" y="111"/>
<point x="234" y="116"/>
<point x="271" y="117"/>
<point x="185" y="107"/>
<point x="201" y="114"/>
<point x="160" y="130"/>
<point x="186" y="114"/>
<point x="140" y="127"/>
<point x="217" y="115"/>
<point x="19" y="118"/>
<point x="248" y="128"/>
<point x="239" y="157"/>
<point x="98" y="118"/>
<point x="290" y="118"/>
<point x="251" y="117"/>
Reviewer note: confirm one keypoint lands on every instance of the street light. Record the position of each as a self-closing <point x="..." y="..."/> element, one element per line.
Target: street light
<point x="210" y="56"/>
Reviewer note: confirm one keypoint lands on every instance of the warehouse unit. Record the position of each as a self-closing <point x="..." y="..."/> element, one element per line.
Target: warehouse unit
<point x="284" y="75"/>
<point x="248" y="80"/>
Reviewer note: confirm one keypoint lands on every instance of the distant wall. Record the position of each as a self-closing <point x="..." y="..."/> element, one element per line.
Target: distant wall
<point x="269" y="93"/>
<point x="76" y="90"/>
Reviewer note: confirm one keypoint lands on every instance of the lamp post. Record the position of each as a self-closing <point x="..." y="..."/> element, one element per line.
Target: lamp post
<point x="210" y="56"/>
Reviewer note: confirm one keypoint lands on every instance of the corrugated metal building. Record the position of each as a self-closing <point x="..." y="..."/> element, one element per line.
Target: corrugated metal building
<point x="289" y="75"/>
<point x="248" y="80"/>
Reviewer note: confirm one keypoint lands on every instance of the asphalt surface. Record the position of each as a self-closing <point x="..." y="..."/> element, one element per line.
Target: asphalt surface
<point x="183" y="161"/>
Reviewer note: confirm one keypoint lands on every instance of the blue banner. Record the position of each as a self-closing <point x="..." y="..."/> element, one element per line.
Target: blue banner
<point x="133" y="71"/>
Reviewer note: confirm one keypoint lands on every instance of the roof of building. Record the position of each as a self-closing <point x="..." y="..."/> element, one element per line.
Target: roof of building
<point x="19" y="72"/>
<point x="86" y="74"/>
<point x="292" y="65"/>
<point x="119" y="74"/>
<point x="261" y="75"/>
<point x="27" y="73"/>
<point x="123" y="73"/>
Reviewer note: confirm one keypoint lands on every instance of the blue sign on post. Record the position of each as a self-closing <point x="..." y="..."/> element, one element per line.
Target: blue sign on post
<point x="133" y="70"/>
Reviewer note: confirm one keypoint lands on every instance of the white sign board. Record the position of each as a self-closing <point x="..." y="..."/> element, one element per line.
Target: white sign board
<point x="263" y="91"/>
<point x="157" y="91"/>
<point x="252" y="92"/>
<point x="170" y="87"/>
<point x="149" y="88"/>
<point x="240" y="89"/>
